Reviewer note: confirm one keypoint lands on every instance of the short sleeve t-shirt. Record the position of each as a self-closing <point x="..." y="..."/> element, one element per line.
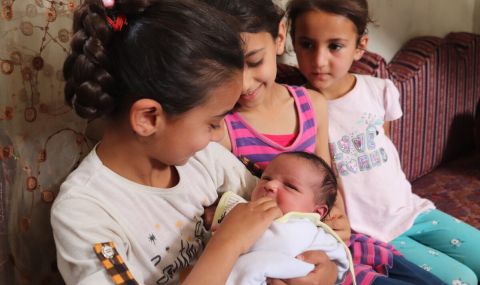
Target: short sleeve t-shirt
<point x="158" y="232"/>
<point x="378" y="196"/>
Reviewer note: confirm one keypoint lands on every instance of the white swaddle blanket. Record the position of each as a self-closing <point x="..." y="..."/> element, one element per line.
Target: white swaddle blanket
<point x="273" y="255"/>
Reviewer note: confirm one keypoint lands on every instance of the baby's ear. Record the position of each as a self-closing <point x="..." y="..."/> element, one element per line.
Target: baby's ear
<point x="322" y="210"/>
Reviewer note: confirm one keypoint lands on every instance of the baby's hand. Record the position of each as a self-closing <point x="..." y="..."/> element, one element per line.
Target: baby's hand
<point x="246" y="222"/>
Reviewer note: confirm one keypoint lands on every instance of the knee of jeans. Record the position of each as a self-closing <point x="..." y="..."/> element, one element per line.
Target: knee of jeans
<point x="463" y="276"/>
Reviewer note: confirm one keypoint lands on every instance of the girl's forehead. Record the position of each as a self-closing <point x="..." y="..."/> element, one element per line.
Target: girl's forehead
<point x="256" y="40"/>
<point x="329" y="27"/>
<point x="317" y="20"/>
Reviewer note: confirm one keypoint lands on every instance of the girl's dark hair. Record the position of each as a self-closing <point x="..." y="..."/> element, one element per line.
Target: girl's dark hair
<point x="171" y="51"/>
<point x="354" y="10"/>
<point x="326" y="191"/>
<point x="254" y="16"/>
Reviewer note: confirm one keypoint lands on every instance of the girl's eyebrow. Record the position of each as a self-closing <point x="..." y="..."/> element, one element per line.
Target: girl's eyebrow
<point x="224" y="113"/>
<point x="304" y="38"/>
<point x="338" y="40"/>
<point x="250" y="53"/>
<point x="330" y="40"/>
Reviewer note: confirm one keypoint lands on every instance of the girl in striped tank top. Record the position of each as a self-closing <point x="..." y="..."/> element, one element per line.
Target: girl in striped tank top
<point x="271" y="118"/>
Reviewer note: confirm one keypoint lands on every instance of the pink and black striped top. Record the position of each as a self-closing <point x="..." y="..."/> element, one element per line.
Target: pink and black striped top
<point x="261" y="149"/>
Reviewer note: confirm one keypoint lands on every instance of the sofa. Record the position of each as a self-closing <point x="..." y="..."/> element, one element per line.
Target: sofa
<point x="438" y="137"/>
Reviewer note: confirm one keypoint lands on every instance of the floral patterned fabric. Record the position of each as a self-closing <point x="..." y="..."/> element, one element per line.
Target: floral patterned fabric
<point x="41" y="140"/>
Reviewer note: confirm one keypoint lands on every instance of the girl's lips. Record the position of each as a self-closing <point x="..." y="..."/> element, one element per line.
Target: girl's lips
<point x="248" y="96"/>
<point x="251" y="94"/>
<point x="320" y="76"/>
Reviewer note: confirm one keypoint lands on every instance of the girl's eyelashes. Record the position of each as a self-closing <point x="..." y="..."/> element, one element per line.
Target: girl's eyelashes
<point x="214" y="126"/>
<point x="306" y="44"/>
<point x="255" y="64"/>
<point x="335" y="46"/>
<point x="310" y="45"/>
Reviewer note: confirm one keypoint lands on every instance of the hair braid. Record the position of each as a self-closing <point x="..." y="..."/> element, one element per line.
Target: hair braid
<point x="89" y="88"/>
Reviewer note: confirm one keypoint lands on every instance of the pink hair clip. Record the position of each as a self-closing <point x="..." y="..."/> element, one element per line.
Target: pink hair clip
<point x="108" y="3"/>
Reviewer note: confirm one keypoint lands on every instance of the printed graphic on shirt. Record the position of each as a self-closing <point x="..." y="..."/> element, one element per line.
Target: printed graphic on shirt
<point x="185" y="251"/>
<point x="359" y="151"/>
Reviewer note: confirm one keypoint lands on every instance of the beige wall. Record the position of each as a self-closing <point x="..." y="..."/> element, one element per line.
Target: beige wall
<point x="397" y="21"/>
<point x="476" y="17"/>
<point x="400" y="20"/>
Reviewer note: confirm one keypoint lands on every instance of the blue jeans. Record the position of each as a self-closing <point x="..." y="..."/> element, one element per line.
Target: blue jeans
<point x="404" y="272"/>
<point x="443" y="245"/>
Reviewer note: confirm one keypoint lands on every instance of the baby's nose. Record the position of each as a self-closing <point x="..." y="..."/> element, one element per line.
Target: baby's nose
<point x="272" y="186"/>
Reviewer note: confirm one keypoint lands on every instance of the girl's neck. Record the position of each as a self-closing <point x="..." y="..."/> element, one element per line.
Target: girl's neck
<point x="122" y="153"/>
<point x="275" y="115"/>
<point x="272" y="97"/>
<point x="339" y="88"/>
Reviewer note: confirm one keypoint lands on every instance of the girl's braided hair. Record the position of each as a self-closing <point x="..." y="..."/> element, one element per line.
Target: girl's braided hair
<point x="171" y="51"/>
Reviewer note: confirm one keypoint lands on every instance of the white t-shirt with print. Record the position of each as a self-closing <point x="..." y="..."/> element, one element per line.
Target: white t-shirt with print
<point x="158" y="232"/>
<point x="378" y="197"/>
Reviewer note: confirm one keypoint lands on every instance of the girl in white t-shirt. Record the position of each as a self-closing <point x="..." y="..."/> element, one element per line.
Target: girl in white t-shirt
<point x="166" y="73"/>
<point x="328" y="35"/>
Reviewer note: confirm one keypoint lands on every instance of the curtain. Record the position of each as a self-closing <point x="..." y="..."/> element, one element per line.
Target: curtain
<point x="41" y="140"/>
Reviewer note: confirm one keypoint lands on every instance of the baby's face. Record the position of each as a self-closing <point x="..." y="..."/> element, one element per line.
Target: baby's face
<point x="290" y="181"/>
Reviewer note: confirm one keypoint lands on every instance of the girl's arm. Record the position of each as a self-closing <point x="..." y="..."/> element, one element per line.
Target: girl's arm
<point x="321" y="115"/>
<point x="337" y="218"/>
<point x="226" y="138"/>
<point x="386" y="127"/>
<point x="391" y="104"/>
<point x="76" y="233"/>
<point x="240" y="229"/>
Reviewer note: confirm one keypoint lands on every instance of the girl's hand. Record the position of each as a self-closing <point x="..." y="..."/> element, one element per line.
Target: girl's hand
<point x="243" y="225"/>
<point x="246" y="222"/>
<point x="324" y="273"/>
<point x="337" y="220"/>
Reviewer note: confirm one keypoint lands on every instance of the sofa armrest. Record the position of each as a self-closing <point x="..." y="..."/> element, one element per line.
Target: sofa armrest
<point x="439" y="87"/>
<point x="476" y="128"/>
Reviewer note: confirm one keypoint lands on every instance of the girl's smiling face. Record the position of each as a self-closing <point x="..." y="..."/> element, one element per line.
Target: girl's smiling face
<point x="260" y="69"/>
